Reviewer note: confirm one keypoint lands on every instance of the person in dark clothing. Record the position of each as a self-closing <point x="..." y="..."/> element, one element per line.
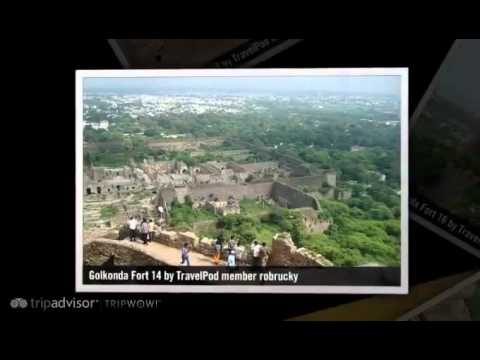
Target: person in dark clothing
<point x="144" y="228"/>
<point x="185" y="254"/>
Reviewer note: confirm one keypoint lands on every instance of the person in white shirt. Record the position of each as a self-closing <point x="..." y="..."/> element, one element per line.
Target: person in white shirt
<point x="132" y="226"/>
<point x="239" y="251"/>
<point x="231" y="258"/>
<point x="160" y="211"/>
<point x="256" y="247"/>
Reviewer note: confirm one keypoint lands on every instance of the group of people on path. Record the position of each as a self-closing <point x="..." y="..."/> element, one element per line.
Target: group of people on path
<point x="234" y="251"/>
<point x="144" y="229"/>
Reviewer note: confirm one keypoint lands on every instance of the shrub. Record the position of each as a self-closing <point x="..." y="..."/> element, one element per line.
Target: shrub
<point x="108" y="212"/>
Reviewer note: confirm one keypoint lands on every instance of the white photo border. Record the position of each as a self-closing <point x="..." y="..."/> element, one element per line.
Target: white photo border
<point x="292" y="289"/>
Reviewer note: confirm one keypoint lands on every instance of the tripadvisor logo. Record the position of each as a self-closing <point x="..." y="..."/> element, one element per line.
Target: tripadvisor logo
<point x="46" y="304"/>
<point x="18" y="303"/>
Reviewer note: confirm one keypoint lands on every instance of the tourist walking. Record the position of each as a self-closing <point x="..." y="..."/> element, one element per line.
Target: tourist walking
<point x="239" y="251"/>
<point x="185" y="254"/>
<point x="132" y="228"/>
<point x="263" y="254"/>
<point x="255" y="247"/>
<point x="151" y="230"/>
<point x="144" y="231"/>
<point x="218" y="250"/>
<point x="231" y="258"/>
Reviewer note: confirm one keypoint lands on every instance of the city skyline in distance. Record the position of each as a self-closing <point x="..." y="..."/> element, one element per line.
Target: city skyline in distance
<point x="369" y="85"/>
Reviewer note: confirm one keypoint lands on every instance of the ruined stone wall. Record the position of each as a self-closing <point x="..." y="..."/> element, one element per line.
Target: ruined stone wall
<point x="110" y="187"/>
<point x="238" y="191"/>
<point x="285" y="253"/>
<point x="314" y="182"/>
<point x="98" y="253"/>
<point x="331" y="178"/>
<point x="288" y="196"/>
<point x="176" y="239"/>
<point x="106" y="173"/>
<point x="311" y="221"/>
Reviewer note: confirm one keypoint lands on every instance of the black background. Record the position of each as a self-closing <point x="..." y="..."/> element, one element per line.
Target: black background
<point x="40" y="195"/>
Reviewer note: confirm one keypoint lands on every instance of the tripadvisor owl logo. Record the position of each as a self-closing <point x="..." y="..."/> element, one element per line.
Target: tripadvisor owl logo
<point x="18" y="303"/>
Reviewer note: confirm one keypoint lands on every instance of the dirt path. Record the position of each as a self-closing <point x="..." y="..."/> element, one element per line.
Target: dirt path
<point x="162" y="253"/>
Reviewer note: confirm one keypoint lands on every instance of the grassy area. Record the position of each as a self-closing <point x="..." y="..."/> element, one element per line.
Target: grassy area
<point x="354" y="239"/>
<point x="206" y="229"/>
<point x="255" y="208"/>
<point x="108" y="212"/>
<point x="183" y="216"/>
<point x="266" y="231"/>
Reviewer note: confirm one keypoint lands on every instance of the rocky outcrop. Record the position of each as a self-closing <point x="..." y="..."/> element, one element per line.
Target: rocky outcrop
<point x="177" y="239"/>
<point x="206" y="246"/>
<point x="285" y="253"/>
<point x="188" y="237"/>
<point x="311" y="221"/>
<point x="97" y="254"/>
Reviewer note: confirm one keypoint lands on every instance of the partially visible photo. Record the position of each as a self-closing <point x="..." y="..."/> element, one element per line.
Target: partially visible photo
<point x="196" y="53"/>
<point x="461" y="305"/>
<point x="445" y="142"/>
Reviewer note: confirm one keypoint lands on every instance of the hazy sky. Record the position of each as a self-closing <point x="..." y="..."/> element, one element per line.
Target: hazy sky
<point x="357" y="84"/>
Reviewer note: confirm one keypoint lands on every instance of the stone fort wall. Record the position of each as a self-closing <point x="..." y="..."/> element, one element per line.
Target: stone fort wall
<point x="284" y="194"/>
<point x="288" y="196"/>
<point x="239" y="191"/>
<point x="316" y="181"/>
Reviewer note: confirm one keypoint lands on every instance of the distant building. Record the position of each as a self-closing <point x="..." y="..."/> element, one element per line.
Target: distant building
<point x="356" y="148"/>
<point x="104" y="124"/>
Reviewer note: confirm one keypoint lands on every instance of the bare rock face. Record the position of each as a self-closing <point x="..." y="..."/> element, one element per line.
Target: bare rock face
<point x="282" y="250"/>
<point x="318" y="259"/>
<point x="169" y="238"/>
<point x="188" y="237"/>
<point x="206" y="246"/>
<point x="98" y="254"/>
<point x="177" y="239"/>
<point x="285" y="253"/>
